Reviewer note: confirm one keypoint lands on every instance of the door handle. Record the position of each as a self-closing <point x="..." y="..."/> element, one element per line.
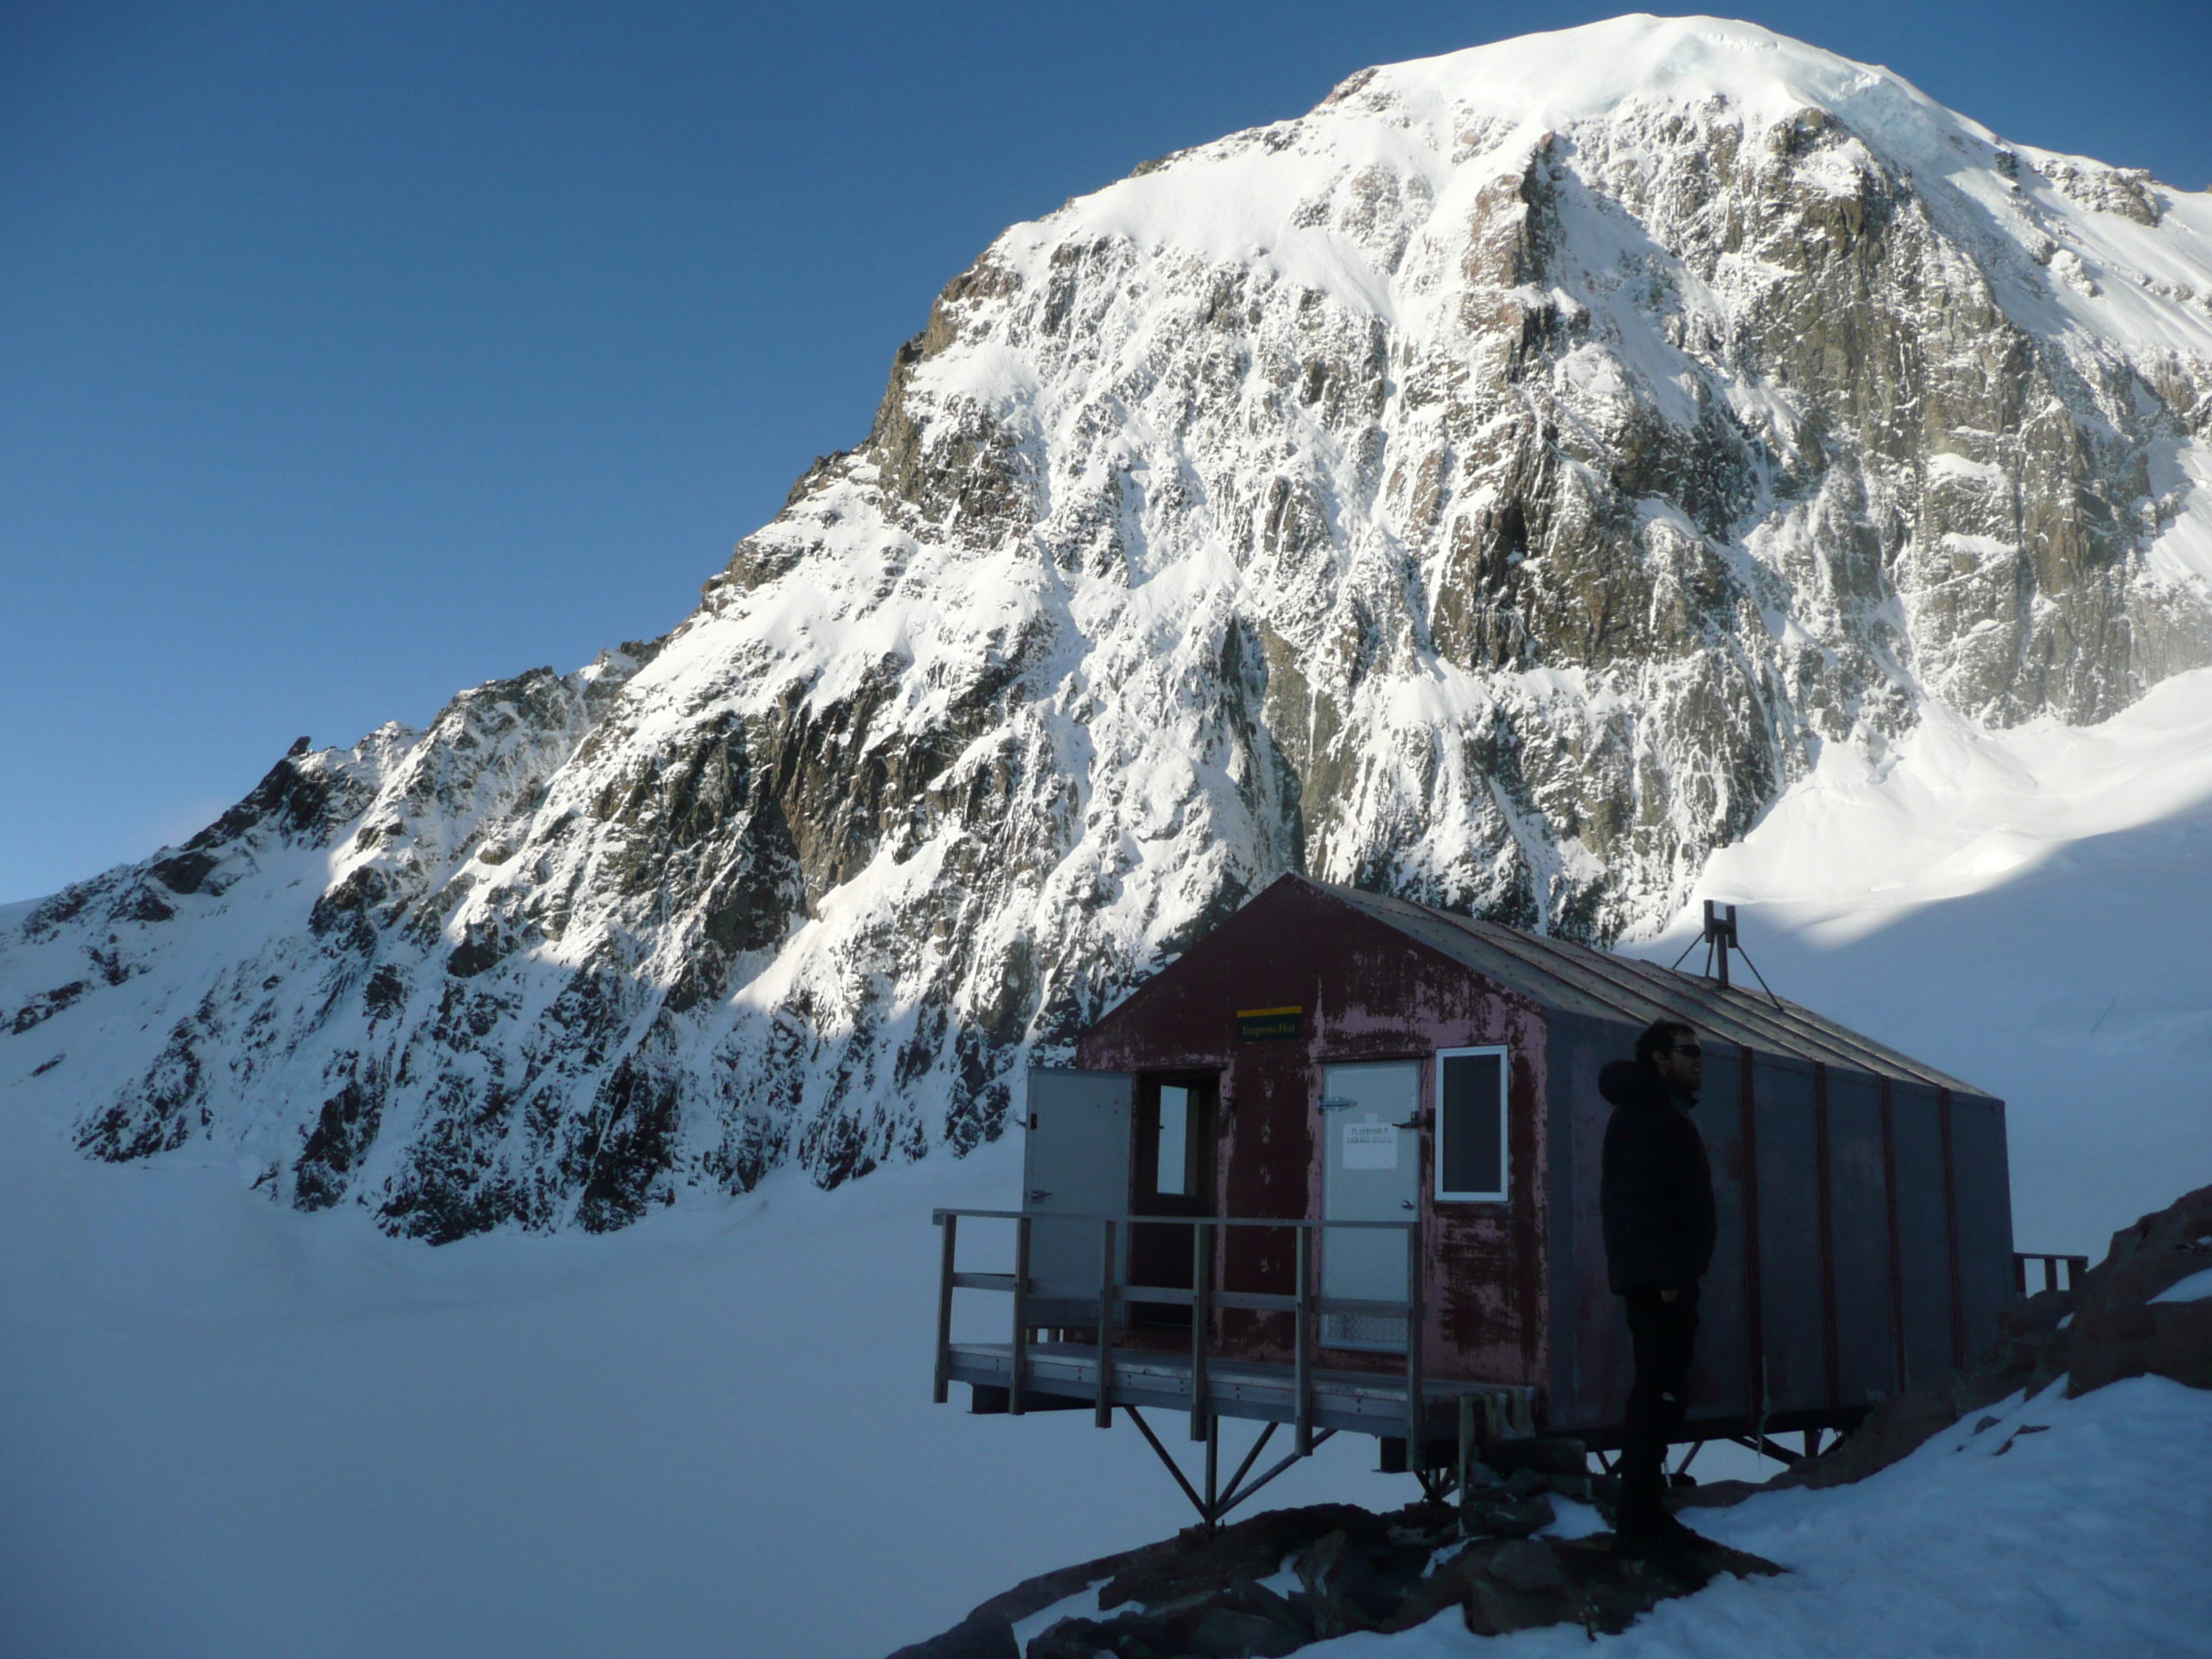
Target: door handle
<point x="1038" y="1195"/>
<point x="1406" y="1204"/>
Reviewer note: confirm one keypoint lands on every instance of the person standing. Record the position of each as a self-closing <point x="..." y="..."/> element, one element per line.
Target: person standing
<point x="1655" y="1199"/>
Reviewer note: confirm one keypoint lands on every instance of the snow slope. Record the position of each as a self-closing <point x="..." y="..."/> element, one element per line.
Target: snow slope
<point x="2067" y="1529"/>
<point x="2025" y="910"/>
<point x="234" y="1432"/>
<point x="237" y="1430"/>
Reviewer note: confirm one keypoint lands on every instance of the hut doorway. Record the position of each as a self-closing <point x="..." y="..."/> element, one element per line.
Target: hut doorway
<point x="1173" y="1176"/>
<point x="1370" y="1171"/>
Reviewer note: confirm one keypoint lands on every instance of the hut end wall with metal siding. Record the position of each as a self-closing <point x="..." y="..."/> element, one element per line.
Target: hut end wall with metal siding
<point x="1864" y="1206"/>
<point x="1366" y="991"/>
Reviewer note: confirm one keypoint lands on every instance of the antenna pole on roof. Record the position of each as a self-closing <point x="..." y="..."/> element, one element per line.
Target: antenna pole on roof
<point x="1719" y="939"/>
<point x="1760" y="978"/>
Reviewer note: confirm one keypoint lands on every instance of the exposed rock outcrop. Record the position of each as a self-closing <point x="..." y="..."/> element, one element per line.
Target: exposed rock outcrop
<point x="1341" y="1569"/>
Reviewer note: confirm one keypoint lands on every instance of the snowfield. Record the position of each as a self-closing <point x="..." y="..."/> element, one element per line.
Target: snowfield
<point x="2024" y="910"/>
<point x="2065" y="1527"/>
<point x="237" y="1430"/>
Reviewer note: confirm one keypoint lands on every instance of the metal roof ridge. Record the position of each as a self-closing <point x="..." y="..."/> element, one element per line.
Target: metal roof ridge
<point x="1534" y="975"/>
<point x="1806" y="1027"/>
<point x="1677" y="990"/>
<point x="1381" y="905"/>
<point x="1771" y="1022"/>
<point x="1880" y="1053"/>
<point x="1553" y="958"/>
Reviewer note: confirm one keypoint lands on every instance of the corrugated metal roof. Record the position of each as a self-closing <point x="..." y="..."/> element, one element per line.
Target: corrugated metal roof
<point x="1582" y="979"/>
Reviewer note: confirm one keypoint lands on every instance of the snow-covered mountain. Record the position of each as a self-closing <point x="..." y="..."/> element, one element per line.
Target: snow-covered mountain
<point x="1500" y="485"/>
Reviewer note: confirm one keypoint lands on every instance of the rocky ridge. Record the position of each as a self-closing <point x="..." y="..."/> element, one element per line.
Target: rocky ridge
<point x="1494" y="487"/>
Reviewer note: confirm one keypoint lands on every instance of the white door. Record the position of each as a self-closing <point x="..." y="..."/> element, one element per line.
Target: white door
<point x="1370" y="1171"/>
<point x="1075" y="1162"/>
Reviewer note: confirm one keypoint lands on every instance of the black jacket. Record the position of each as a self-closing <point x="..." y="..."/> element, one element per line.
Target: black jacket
<point x="1657" y="1194"/>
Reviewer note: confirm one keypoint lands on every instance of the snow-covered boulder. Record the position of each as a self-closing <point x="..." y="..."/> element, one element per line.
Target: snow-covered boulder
<point x="2130" y="1322"/>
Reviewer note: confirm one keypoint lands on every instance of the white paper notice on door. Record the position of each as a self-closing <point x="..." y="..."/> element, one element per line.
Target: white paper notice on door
<point x="1371" y="1145"/>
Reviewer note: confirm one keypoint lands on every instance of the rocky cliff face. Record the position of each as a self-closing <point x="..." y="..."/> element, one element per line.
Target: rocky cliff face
<point x="1494" y="487"/>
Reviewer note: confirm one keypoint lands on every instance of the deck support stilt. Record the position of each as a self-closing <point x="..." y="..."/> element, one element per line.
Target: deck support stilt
<point x="942" y="1390"/>
<point x="1301" y="1336"/>
<point x="1464" y="1471"/>
<point x="1102" y="1407"/>
<point x="1201" y="1318"/>
<point x="1215" y="1502"/>
<point x="1213" y="1469"/>
<point x="1238" y="1494"/>
<point x="1173" y="1467"/>
<point x="1020" y="1356"/>
<point x="1416" y="1414"/>
<point x="1767" y="1446"/>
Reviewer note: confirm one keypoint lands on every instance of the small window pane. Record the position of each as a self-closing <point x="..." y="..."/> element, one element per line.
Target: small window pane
<point x="1175" y="1139"/>
<point x="1471" y="1151"/>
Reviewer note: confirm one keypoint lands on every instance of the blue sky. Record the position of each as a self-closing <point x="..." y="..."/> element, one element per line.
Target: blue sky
<point x="350" y="355"/>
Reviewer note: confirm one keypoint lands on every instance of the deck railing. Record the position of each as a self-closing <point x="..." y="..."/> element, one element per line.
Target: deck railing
<point x="2075" y="1266"/>
<point x="1305" y="1305"/>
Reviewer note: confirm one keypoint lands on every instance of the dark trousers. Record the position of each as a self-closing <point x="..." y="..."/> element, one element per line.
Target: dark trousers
<point x="1664" y="1335"/>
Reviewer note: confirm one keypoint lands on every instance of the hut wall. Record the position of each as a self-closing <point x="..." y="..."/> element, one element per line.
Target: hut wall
<point x="1791" y="1317"/>
<point x="1589" y="1348"/>
<point x="1725" y="1381"/>
<point x="1800" y="1181"/>
<point x="1923" y="1230"/>
<point x="1864" y="1334"/>
<point x="1591" y="1363"/>
<point x="1985" y="1200"/>
<point x="1366" y="994"/>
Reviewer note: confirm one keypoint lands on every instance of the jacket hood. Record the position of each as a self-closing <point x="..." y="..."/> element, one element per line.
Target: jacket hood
<point x="1623" y="1081"/>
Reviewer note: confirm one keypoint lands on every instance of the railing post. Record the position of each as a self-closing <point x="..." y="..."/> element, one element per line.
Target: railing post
<point x="1019" y="1355"/>
<point x="1467" y="1443"/>
<point x="1416" y="1438"/>
<point x="1103" y="1409"/>
<point x="1301" y="1339"/>
<point x="1201" y="1316"/>
<point x="950" y="1221"/>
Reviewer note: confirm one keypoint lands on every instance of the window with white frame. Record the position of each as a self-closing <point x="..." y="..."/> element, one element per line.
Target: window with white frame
<point x="1471" y="1124"/>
